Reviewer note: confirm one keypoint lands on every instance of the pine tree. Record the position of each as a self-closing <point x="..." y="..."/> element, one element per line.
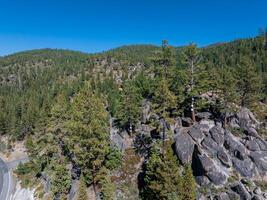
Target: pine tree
<point x="188" y="185"/>
<point x="164" y="102"/>
<point x="129" y="108"/>
<point x="162" y="175"/>
<point x="88" y="133"/>
<point x="192" y="59"/>
<point x="82" y="190"/>
<point x="107" y="186"/>
<point x="250" y="82"/>
<point x="164" y="60"/>
<point x="227" y="90"/>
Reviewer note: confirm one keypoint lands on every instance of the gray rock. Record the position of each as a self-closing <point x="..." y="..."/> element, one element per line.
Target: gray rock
<point x="213" y="172"/>
<point x="251" y="132"/>
<point x="245" y="167"/>
<point x="146" y="108"/>
<point x="246" y="118"/>
<point x="187" y="122"/>
<point x="242" y="191"/>
<point x="224" y="158"/>
<point x="206" y="162"/>
<point x="262" y="144"/>
<point x="196" y="134"/>
<point x="203" y="127"/>
<point x="210" y="145"/>
<point x="252" y="145"/>
<point x="216" y="176"/>
<point x="222" y="196"/>
<point x="233" y="195"/>
<point x="208" y="123"/>
<point x="217" y="134"/>
<point x="257" y="197"/>
<point x="202" y="180"/>
<point x="203" y="115"/>
<point x="235" y="147"/>
<point x="184" y="147"/>
<point x="257" y="191"/>
<point x="178" y="131"/>
<point x="260" y="160"/>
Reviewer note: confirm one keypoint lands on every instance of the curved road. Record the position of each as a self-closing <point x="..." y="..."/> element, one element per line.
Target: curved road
<point x="6" y="181"/>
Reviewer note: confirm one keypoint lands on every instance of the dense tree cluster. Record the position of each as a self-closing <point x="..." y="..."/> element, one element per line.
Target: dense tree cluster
<point x="62" y="105"/>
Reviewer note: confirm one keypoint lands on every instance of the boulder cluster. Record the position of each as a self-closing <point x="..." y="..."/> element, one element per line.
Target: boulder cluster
<point x="222" y="159"/>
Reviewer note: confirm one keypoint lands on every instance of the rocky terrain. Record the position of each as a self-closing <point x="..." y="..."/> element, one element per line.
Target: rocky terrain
<point x="228" y="162"/>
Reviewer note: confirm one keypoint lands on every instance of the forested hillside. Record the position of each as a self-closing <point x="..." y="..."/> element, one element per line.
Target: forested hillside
<point x="139" y="122"/>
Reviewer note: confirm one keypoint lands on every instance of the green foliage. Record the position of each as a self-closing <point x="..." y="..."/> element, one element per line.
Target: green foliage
<point x="114" y="158"/>
<point x="162" y="178"/>
<point x="107" y="186"/>
<point x="82" y="190"/>
<point x="188" y="191"/>
<point x="250" y="82"/>
<point x="88" y="132"/>
<point x="128" y="112"/>
<point x="163" y="60"/>
<point x="60" y="179"/>
<point x="164" y="99"/>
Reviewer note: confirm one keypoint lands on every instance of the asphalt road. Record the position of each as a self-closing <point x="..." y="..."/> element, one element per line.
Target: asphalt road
<point x="6" y="182"/>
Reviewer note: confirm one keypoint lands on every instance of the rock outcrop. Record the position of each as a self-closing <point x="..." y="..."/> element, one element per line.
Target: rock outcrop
<point x="218" y="155"/>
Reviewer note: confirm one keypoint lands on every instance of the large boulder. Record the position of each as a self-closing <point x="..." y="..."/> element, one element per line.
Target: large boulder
<point x="202" y="180"/>
<point x="245" y="167"/>
<point x="235" y="147"/>
<point x="252" y="145"/>
<point x="187" y="122"/>
<point x="203" y="115"/>
<point x="212" y="171"/>
<point x="240" y="189"/>
<point x="224" y="158"/>
<point x="250" y="131"/>
<point x="260" y="160"/>
<point x="262" y="144"/>
<point x="210" y="145"/>
<point x="246" y="118"/>
<point x="184" y="147"/>
<point x="217" y="134"/>
<point x="222" y="196"/>
<point x="208" y="124"/>
<point x="196" y="134"/>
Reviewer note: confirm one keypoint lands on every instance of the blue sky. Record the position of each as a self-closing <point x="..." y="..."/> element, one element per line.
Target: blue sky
<point x="97" y="25"/>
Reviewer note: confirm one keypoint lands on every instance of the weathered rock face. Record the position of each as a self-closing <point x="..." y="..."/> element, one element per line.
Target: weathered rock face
<point x="245" y="167"/>
<point x="212" y="171"/>
<point x="222" y="196"/>
<point x="184" y="147"/>
<point x="196" y="134"/>
<point x="218" y="154"/>
<point x="240" y="189"/>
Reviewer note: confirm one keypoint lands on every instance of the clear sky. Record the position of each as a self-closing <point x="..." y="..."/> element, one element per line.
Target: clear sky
<point x="97" y="25"/>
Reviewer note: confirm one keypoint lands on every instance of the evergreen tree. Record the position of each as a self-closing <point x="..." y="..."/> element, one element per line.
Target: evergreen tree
<point x="227" y="90"/>
<point x="188" y="191"/>
<point x="164" y="60"/>
<point x="107" y="186"/>
<point x="88" y="133"/>
<point x="82" y="190"/>
<point x="192" y="59"/>
<point x="129" y="108"/>
<point x="162" y="176"/>
<point x="165" y="102"/>
<point x="250" y="82"/>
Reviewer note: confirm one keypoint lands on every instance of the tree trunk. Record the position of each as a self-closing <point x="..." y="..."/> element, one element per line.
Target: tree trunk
<point x="94" y="181"/>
